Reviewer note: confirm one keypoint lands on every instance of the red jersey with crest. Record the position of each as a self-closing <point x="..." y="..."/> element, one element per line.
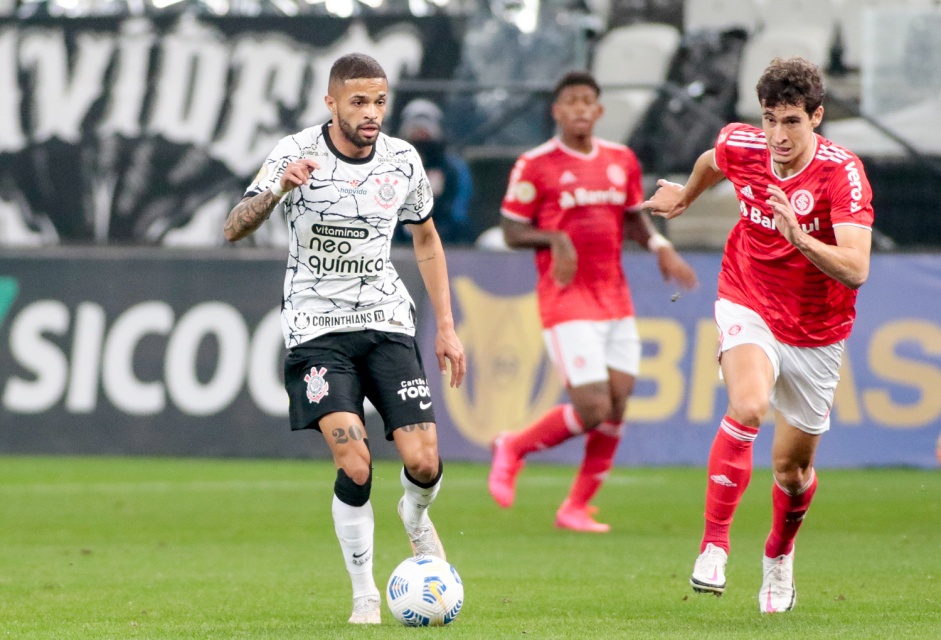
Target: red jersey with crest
<point x="761" y="270"/>
<point x="557" y="188"/>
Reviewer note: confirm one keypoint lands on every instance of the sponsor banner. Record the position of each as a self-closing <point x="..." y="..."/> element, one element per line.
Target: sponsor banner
<point x="148" y="130"/>
<point x="887" y="409"/>
<point x="155" y="353"/>
<point x="147" y="352"/>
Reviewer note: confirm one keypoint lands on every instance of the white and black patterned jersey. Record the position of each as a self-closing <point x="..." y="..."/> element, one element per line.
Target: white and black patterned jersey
<point x="339" y="276"/>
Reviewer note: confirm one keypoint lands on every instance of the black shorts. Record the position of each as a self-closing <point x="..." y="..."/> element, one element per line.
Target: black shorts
<point x="336" y="371"/>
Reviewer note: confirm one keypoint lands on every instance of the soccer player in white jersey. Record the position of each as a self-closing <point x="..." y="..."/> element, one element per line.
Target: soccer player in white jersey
<point x="348" y="322"/>
<point x="787" y="292"/>
<point x="574" y="199"/>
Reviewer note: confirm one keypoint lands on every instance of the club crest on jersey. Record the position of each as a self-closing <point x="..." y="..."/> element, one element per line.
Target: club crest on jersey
<point x="386" y="198"/>
<point x="317" y="387"/>
<point x="802" y="201"/>
<point x="616" y="175"/>
<point x="301" y="320"/>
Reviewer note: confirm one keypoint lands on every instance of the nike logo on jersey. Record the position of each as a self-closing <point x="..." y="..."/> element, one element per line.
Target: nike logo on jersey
<point x="424" y="405"/>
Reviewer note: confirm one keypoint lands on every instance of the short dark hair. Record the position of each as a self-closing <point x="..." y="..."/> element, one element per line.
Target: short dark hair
<point x="791" y="81"/>
<point x="354" y="66"/>
<point x="575" y="79"/>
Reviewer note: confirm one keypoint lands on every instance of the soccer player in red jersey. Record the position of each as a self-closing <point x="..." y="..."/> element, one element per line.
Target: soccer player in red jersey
<point x="574" y="199"/>
<point x="787" y="290"/>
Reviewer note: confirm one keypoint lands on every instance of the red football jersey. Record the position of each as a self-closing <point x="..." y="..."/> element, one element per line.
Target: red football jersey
<point x="761" y="270"/>
<point x="555" y="188"/>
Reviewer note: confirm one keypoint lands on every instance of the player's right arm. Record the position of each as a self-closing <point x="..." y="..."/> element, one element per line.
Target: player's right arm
<point x="522" y="235"/>
<point x="251" y="212"/>
<point x="672" y="199"/>
<point x="520" y="210"/>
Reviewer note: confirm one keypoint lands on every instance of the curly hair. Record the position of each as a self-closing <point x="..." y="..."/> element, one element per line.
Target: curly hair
<point x="791" y="81"/>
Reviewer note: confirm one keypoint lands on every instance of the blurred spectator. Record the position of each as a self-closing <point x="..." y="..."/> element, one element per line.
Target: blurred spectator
<point x="448" y="173"/>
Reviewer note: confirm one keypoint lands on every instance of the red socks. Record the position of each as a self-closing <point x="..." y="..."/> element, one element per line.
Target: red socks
<point x="787" y="514"/>
<point x="555" y="427"/>
<point x="601" y="444"/>
<point x="729" y="470"/>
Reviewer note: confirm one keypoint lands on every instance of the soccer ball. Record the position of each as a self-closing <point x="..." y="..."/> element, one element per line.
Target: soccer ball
<point x="425" y="591"/>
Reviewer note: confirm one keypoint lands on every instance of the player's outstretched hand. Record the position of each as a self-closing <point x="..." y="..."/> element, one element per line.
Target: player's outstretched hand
<point x="448" y="349"/>
<point x="297" y="173"/>
<point x="667" y="202"/>
<point x="675" y="269"/>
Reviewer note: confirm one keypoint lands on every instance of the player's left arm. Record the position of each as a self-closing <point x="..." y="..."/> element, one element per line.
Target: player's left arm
<point x="429" y="253"/>
<point x="847" y="261"/>
<point x="640" y="228"/>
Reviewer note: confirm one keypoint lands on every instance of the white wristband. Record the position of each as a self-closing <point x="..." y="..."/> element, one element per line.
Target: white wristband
<point x="657" y="242"/>
<point x="278" y="191"/>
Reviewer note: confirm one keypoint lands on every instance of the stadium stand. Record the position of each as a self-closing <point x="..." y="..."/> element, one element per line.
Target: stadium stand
<point x="850" y="20"/>
<point x="636" y="54"/>
<point x="720" y="15"/>
<point x="813" y="43"/>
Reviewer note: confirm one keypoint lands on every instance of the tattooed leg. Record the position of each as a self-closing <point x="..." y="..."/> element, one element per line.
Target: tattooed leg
<point x="418" y="445"/>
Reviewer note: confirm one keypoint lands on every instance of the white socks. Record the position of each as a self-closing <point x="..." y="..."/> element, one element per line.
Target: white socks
<point x="417" y="500"/>
<point x="355" y="527"/>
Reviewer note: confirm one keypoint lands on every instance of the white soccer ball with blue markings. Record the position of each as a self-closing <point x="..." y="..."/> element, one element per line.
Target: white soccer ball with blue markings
<point x="425" y="591"/>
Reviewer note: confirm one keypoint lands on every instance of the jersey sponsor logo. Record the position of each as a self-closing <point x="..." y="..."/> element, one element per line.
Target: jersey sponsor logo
<point x="313" y="152"/>
<point x="856" y="186"/>
<point x="332" y="253"/>
<point x="355" y="233"/>
<point x="352" y="190"/>
<point x="317" y="386"/>
<point x="754" y="214"/>
<point x="802" y="201"/>
<point x="586" y="197"/>
<point x="387" y="197"/>
<point x="735" y="329"/>
<point x="616" y="175"/>
<point x="416" y="388"/>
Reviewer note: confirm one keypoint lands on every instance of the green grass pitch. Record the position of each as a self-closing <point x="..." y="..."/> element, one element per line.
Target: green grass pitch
<point x="167" y="548"/>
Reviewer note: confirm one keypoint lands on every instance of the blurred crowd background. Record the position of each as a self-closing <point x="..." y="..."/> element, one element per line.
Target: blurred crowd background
<point x="139" y="122"/>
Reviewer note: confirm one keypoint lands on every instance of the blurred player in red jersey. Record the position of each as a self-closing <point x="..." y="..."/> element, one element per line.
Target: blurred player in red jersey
<point x="787" y="294"/>
<point x="574" y="199"/>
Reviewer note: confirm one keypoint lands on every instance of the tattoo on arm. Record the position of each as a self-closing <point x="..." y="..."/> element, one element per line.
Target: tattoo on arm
<point x="422" y="426"/>
<point x="426" y="259"/>
<point x="249" y="214"/>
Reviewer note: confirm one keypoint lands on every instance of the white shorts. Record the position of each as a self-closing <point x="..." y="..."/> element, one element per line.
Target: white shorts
<point x="584" y="350"/>
<point x="805" y="378"/>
